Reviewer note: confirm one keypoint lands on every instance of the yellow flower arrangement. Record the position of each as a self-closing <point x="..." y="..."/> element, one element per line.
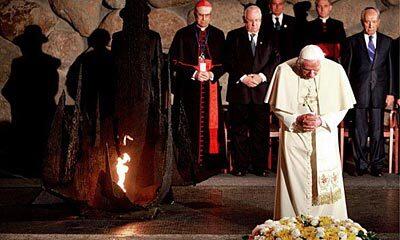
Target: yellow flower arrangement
<point x="310" y="228"/>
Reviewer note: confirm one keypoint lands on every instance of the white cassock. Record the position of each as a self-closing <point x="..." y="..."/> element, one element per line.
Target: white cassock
<point x="309" y="178"/>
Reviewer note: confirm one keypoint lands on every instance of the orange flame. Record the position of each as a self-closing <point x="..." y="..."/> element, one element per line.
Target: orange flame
<point x="122" y="168"/>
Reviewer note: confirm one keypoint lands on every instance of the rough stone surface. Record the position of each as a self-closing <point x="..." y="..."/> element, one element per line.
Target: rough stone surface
<point x="112" y="22"/>
<point x="8" y="52"/>
<point x="226" y="15"/>
<point x="388" y="26"/>
<point x="168" y="3"/>
<point x="115" y="4"/>
<point x="247" y="1"/>
<point x="15" y="15"/>
<point x="62" y="75"/>
<point x="348" y="11"/>
<point x="64" y="43"/>
<point x="391" y="2"/>
<point x="166" y="23"/>
<point x="82" y="15"/>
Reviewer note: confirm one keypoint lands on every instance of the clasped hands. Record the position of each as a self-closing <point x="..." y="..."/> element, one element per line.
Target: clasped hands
<point x="252" y="80"/>
<point x="203" y="76"/>
<point x="308" y="122"/>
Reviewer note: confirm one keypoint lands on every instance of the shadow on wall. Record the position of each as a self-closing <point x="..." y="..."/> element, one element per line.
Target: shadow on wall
<point x="30" y="90"/>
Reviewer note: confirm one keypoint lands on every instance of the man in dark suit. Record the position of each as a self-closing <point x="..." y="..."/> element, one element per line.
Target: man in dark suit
<point x="326" y="32"/>
<point x="281" y="29"/>
<point x="250" y="61"/>
<point x="367" y="60"/>
<point x="196" y="56"/>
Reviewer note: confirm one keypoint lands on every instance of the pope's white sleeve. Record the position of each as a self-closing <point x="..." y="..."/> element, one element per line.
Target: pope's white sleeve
<point x="330" y="121"/>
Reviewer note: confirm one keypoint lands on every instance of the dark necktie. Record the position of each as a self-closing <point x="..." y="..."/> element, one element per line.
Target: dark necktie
<point x="277" y="24"/>
<point x="253" y="43"/>
<point x="371" y="49"/>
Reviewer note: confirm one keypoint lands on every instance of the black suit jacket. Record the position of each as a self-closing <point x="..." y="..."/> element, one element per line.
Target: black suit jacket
<point x="284" y="39"/>
<point x="371" y="82"/>
<point x="239" y="60"/>
<point x="333" y="32"/>
<point x="396" y="67"/>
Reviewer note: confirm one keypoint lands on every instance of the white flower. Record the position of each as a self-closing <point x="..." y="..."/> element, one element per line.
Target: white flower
<point x="292" y="226"/>
<point x="259" y="229"/>
<point x="341" y="228"/>
<point x="264" y="231"/>
<point x="320" y="235"/>
<point x="354" y="230"/>
<point x="295" y="233"/>
<point x="342" y="235"/>
<point x="320" y="229"/>
<point x="314" y="222"/>
<point x="358" y="238"/>
<point x="269" y="222"/>
<point x="260" y="238"/>
<point x="285" y="26"/>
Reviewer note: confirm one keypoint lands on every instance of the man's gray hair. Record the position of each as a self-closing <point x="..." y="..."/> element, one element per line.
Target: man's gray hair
<point x="369" y="8"/>
<point x="251" y="7"/>
<point x="312" y="53"/>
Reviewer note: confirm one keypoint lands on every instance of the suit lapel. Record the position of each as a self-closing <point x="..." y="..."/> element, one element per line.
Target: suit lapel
<point x="260" y="45"/>
<point x="246" y="42"/>
<point x="361" y="41"/>
<point x="378" y="46"/>
<point x="269" y="24"/>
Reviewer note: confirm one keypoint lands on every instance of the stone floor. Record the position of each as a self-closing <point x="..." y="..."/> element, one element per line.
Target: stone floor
<point x="223" y="207"/>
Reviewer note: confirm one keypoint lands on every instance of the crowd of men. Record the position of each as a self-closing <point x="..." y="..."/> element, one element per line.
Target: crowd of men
<point x="200" y="55"/>
<point x="250" y="54"/>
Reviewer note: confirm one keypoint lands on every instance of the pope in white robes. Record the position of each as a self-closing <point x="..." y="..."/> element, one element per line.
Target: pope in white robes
<point x="310" y="95"/>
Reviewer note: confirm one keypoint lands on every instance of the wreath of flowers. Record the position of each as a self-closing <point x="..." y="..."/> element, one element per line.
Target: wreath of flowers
<point x="310" y="228"/>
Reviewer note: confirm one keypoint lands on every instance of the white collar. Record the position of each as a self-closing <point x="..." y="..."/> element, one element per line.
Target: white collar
<point x="280" y="17"/>
<point x="255" y="36"/>
<point x="373" y="35"/>
<point x="202" y="28"/>
<point x="324" y="19"/>
<point x="374" y="38"/>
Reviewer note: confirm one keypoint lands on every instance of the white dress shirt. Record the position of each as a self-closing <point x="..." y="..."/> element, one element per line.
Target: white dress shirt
<point x="280" y="18"/>
<point x="366" y="38"/>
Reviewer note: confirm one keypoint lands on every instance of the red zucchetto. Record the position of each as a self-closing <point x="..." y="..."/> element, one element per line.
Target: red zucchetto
<point x="203" y="3"/>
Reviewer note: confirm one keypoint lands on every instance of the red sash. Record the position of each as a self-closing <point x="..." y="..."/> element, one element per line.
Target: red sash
<point x="213" y="147"/>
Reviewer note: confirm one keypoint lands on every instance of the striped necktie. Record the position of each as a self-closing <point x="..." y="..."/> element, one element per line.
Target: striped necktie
<point x="253" y="43"/>
<point x="371" y="49"/>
